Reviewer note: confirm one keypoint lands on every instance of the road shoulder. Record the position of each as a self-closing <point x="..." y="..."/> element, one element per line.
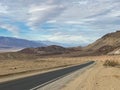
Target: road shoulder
<point x="96" y="78"/>
<point x="63" y="81"/>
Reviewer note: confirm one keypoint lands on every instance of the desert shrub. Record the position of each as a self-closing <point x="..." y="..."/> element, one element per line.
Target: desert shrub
<point x="111" y="63"/>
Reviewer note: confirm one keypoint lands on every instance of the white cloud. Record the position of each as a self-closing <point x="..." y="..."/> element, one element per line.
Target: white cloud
<point x="39" y="14"/>
<point x="113" y="13"/>
<point x="34" y="8"/>
<point x="66" y="38"/>
<point x="3" y="9"/>
<point x="73" y="22"/>
<point x="51" y="21"/>
<point x="100" y="16"/>
<point x="10" y="28"/>
<point x="81" y="2"/>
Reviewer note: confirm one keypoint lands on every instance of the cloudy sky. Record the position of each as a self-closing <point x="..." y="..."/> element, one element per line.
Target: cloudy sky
<point x="78" y="22"/>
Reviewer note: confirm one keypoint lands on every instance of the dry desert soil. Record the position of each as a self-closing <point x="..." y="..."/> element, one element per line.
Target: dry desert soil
<point x="13" y="69"/>
<point x="98" y="77"/>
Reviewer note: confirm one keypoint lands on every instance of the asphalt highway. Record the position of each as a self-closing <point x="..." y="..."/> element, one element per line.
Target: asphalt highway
<point x="37" y="80"/>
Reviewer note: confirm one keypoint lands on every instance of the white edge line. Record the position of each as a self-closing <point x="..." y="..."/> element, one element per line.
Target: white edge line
<point x="35" y="88"/>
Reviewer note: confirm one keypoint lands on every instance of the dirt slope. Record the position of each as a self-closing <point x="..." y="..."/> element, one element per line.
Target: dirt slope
<point x="106" y="44"/>
<point x="111" y="39"/>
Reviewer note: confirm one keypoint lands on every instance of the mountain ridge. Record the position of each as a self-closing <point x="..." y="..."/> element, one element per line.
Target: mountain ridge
<point x="11" y="42"/>
<point x="105" y="44"/>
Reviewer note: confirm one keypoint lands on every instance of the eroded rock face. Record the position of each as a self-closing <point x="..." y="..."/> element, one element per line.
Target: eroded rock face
<point x="106" y="44"/>
<point x="110" y="39"/>
<point x="105" y="49"/>
<point x="115" y="52"/>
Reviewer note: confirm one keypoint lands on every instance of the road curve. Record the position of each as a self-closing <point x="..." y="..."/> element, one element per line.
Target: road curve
<point x="36" y="80"/>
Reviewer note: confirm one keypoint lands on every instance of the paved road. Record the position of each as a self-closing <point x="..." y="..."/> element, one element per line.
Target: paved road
<point x="36" y="80"/>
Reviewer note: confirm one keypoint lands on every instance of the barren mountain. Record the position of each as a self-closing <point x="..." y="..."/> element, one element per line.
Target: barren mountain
<point x="9" y="42"/>
<point x="106" y="44"/>
<point x="115" y="52"/>
<point x="49" y="50"/>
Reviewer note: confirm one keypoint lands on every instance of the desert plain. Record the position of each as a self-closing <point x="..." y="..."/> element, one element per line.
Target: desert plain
<point x="98" y="77"/>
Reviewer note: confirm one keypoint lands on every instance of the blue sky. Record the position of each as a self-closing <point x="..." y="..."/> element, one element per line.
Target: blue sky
<point x="79" y="22"/>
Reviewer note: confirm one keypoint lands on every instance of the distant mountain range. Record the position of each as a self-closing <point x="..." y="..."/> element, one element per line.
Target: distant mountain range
<point x="15" y="44"/>
<point x="48" y="43"/>
<point x="109" y="44"/>
<point x="10" y="42"/>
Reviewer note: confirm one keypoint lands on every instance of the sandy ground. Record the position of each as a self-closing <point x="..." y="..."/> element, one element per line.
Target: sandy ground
<point x="15" y="66"/>
<point x="13" y="69"/>
<point x="97" y="78"/>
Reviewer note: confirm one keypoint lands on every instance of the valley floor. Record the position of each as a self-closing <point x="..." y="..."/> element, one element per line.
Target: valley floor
<point x="13" y="69"/>
<point x="95" y="78"/>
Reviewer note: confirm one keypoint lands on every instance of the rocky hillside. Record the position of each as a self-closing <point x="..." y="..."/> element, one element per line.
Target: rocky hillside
<point x="49" y="50"/>
<point x="115" y="52"/>
<point x="106" y="44"/>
